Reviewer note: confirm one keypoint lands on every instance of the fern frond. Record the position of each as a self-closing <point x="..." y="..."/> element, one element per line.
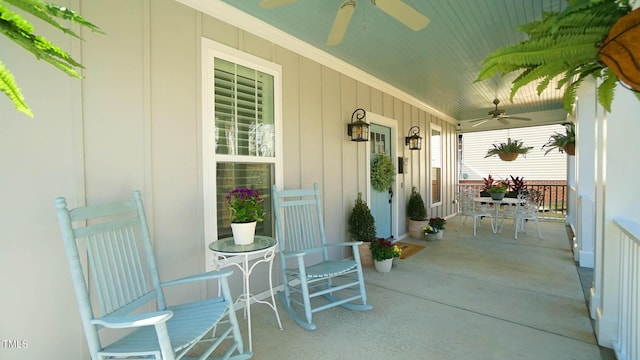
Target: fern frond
<point x="47" y="11"/>
<point x="10" y="88"/>
<point x="606" y="89"/>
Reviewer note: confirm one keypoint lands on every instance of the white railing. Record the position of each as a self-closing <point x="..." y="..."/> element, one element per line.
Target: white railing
<point x="626" y="346"/>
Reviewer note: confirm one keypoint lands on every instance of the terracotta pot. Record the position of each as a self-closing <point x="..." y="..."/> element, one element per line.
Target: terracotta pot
<point x="570" y="149"/>
<point x="620" y="50"/>
<point x="508" y="156"/>
<point x="365" y="254"/>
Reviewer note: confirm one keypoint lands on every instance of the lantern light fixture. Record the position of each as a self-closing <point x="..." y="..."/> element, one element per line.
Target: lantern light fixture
<point x="359" y="129"/>
<point x="413" y="139"/>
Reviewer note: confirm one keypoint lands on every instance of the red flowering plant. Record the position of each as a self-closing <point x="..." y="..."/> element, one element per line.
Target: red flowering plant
<point x="381" y="249"/>
<point x="437" y="222"/>
<point x="245" y="205"/>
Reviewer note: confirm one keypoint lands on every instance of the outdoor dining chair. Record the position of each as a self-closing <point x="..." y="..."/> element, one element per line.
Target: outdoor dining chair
<point x="527" y="209"/>
<point x="469" y="208"/>
<point x="121" y="296"/>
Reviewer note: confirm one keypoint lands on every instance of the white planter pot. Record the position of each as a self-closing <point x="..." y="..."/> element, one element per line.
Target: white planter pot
<point x="439" y="234"/>
<point x="383" y="266"/>
<point x="243" y="233"/>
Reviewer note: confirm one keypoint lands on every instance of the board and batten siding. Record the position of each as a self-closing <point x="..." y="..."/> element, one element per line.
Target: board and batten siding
<point x="535" y="166"/>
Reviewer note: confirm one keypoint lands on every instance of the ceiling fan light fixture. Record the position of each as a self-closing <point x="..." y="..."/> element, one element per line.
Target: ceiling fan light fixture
<point x="341" y="22"/>
<point x="403" y="13"/>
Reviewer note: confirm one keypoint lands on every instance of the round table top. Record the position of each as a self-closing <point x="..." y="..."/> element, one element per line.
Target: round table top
<point x="228" y="246"/>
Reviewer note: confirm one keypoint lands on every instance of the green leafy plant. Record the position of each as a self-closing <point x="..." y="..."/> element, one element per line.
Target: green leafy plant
<point x="562" y="45"/>
<point x="415" y="206"/>
<point x="381" y="249"/>
<point x="362" y="225"/>
<point x="19" y="30"/>
<point x="245" y="205"/>
<point x="561" y="141"/>
<point x="510" y="147"/>
<point x="498" y="188"/>
<point x="383" y="172"/>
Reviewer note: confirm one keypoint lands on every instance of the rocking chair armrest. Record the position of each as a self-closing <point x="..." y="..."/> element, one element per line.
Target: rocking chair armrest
<point x="199" y="277"/>
<point x="345" y="243"/>
<point x="138" y="320"/>
<point x="290" y="254"/>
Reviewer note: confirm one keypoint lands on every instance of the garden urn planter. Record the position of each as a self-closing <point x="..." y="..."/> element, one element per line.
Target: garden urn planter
<point x="365" y="254"/>
<point x="416" y="228"/>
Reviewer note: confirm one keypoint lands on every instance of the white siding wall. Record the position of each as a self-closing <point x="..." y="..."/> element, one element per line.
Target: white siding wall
<point x="535" y="166"/>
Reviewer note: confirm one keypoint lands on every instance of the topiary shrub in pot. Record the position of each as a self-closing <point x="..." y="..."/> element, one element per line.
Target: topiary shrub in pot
<point x="362" y="227"/>
<point x="416" y="215"/>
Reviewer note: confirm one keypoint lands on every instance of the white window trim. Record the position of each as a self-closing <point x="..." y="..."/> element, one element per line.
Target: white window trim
<point x="432" y="127"/>
<point x="211" y="50"/>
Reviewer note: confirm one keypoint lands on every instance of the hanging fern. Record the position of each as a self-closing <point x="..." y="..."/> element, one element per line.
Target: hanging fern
<point x="563" y="46"/>
<point x="382" y="173"/>
<point x="19" y="30"/>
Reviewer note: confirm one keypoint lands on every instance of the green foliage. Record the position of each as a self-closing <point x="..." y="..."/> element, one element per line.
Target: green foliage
<point x="563" y="44"/>
<point x="415" y="207"/>
<point x="383" y="172"/>
<point x="381" y="249"/>
<point x="438" y="222"/>
<point x="362" y="225"/>
<point x="499" y="188"/>
<point x="510" y="147"/>
<point x="517" y="184"/>
<point x="19" y="30"/>
<point x="560" y="141"/>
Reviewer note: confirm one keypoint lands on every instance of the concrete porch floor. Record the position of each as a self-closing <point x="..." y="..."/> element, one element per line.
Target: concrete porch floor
<point x="463" y="297"/>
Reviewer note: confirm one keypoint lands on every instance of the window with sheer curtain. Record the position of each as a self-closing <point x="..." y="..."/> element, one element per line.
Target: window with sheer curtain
<point x="240" y="133"/>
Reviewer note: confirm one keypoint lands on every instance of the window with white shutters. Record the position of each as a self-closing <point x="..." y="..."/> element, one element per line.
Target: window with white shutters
<point x="240" y="133"/>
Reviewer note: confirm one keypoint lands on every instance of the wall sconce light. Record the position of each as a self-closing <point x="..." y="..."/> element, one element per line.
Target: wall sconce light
<point x="358" y="130"/>
<point x="413" y="139"/>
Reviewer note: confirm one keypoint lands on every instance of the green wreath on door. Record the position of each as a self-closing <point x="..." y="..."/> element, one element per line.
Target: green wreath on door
<point x="382" y="172"/>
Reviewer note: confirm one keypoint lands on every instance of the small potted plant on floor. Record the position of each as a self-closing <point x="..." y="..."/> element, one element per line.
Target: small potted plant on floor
<point x="563" y="142"/>
<point x="416" y="214"/>
<point x="439" y="223"/>
<point x="498" y="191"/>
<point x="362" y="227"/>
<point x="509" y="151"/>
<point x="397" y="252"/>
<point x="382" y="253"/>
<point x="430" y="232"/>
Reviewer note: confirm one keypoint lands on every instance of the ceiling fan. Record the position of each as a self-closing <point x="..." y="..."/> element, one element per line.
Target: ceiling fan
<point x="394" y="8"/>
<point x="497" y="114"/>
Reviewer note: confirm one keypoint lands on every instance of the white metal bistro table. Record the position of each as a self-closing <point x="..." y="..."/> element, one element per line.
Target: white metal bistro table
<point x="263" y="250"/>
<point x="496" y="206"/>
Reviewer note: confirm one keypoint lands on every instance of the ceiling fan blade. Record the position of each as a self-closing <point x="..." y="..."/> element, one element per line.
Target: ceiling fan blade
<point x="403" y="13"/>
<point x="516" y="118"/>
<point x="341" y="22"/>
<point x="478" y="119"/>
<point x="503" y="121"/>
<point x="268" y="4"/>
<point x="480" y="123"/>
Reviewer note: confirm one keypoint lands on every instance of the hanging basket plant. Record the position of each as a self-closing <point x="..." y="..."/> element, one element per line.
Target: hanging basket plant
<point x="571" y="45"/>
<point x="382" y="173"/>
<point x="620" y="51"/>
<point x="509" y="151"/>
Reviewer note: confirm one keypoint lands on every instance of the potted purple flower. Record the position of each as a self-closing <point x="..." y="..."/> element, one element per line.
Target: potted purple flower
<point x="246" y="210"/>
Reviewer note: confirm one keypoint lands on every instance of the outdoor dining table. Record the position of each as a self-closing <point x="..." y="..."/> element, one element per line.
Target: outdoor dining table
<point x="496" y="206"/>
